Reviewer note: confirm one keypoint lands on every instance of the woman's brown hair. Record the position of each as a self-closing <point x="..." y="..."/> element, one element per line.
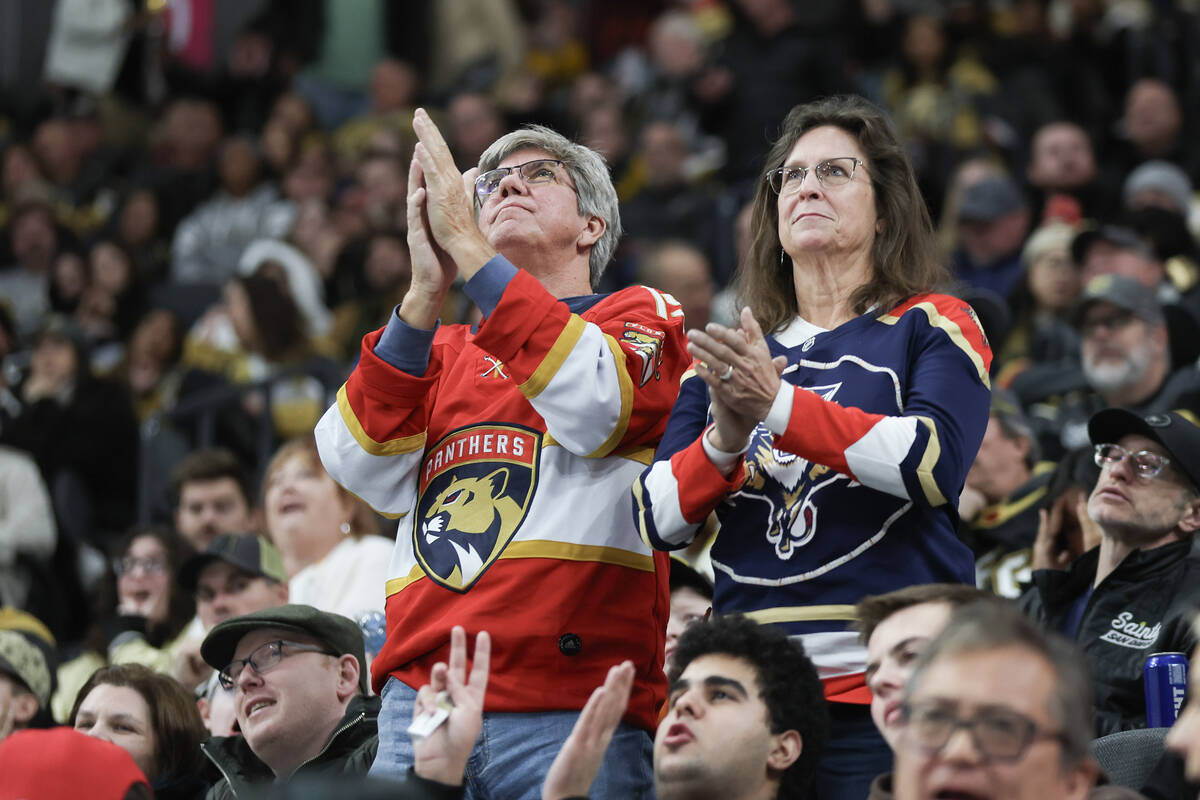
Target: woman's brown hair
<point x="178" y="728"/>
<point x="904" y="256"/>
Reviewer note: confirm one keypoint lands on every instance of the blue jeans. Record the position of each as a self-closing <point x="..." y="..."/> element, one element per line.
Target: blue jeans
<point x="514" y="752"/>
<point x="856" y="753"/>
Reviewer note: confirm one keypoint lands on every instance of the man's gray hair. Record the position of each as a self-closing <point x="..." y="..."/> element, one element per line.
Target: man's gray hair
<point x="993" y="625"/>
<point x="593" y="184"/>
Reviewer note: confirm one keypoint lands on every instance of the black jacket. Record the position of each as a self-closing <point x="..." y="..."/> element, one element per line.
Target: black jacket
<point x="1145" y="606"/>
<point x="349" y="751"/>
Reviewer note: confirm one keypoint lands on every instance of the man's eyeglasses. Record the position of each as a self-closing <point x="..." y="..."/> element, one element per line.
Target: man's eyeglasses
<point x="998" y="734"/>
<point x="129" y="564"/>
<point x="1110" y="322"/>
<point x="831" y="172"/>
<point x="542" y="170"/>
<point x="265" y="658"/>
<point x="1145" y="463"/>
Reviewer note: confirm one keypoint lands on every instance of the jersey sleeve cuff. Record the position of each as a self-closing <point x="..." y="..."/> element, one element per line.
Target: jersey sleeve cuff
<point x="404" y="347"/>
<point x="781" y="409"/>
<point x="720" y="459"/>
<point x="487" y="286"/>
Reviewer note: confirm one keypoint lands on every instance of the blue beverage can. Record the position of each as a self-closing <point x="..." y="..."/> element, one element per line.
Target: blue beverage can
<point x="1166" y="679"/>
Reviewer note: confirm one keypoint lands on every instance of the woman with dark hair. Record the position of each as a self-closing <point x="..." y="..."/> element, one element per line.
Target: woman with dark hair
<point x="143" y="612"/>
<point x="832" y="448"/>
<point x="153" y="718"/>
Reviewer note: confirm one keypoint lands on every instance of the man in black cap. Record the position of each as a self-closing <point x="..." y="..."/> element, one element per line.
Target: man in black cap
<point x="300" y="691"/>
<point x="993" y="221"/>
<point x="1125" y="361"/>
<point x="1137" y="592"/>
<point x="236" y="574"/>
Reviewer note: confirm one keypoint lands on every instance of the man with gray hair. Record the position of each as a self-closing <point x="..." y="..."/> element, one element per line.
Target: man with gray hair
<point x="511" y="447"/>
<point x="996" y="708"/>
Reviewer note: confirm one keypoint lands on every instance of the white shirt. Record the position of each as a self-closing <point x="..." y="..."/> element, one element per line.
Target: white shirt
<point x="350" y="580"/>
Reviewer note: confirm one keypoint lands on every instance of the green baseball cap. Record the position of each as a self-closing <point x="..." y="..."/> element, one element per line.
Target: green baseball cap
<point x="340" y="634"/>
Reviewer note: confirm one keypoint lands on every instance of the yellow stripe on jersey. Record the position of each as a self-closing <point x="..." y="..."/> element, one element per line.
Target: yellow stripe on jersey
<point x="802" y="614"/>
<point x="952" y="329"/>
<point x="554" y="359"/>
<point x="933" y="451"/>
<point x="567" y="551"/>
<point x="399" y="584"/>
<point x="641" y="512"/>
<point x="392" y="447"/>
<point x="626" y="384"/>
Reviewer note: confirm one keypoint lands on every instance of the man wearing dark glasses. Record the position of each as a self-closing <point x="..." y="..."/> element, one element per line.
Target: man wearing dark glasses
<point x="1135" y="594"/>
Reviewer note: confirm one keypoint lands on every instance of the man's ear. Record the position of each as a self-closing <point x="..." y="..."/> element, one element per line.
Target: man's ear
<point x="24" y="706"/>
<point x="1191" y="516"/>
<point x="1079" y="779"/>
<point x="347" y="685"/>
<point x="592" y="231"/>
<point x="786" y="747"/>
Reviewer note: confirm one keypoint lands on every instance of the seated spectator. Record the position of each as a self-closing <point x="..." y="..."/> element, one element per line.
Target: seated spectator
<point x="141" y="613"/>
<point x="1022" y="697"/>
<point x="28" y="534"/>
<point x="62" y="762"/>
<point x="149" y="366"/>
<point x="211" y="494"/>
<point x="210" y="240"/>
<point x="151" y="717"/>
<point x="26" y="680"/>
<point x="375" y="274"/>
<point x="1062" y="161"/>
<point x="691" y="601"/>
<point x="300" y="690"/>
<point x="1160" y="184"/>
<point x="993" y="221"/>
<point x="1045" y="292"/>
<point x="1133" y="595"/>
<point x="1125" y="361"/>
<point x="236" y="574"/>
<point x="746" y="719"/>
<point x="1064" y="506"/>
<point x="1000" y="500"/>
<point x="1153" y="126"/>
<point x="92" y="473"/>
<point x="34" y="239"/>
<point x="327" y="536"/>
<point x="681" y="270"/>
<point x="896" y="627"/>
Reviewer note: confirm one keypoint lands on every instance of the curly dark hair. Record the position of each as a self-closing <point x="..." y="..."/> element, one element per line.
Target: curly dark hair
<point x="787" y="680"/>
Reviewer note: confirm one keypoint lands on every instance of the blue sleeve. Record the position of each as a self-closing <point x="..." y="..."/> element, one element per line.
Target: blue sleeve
<point x="404" y="347"/>
<point x="487" y="286"/>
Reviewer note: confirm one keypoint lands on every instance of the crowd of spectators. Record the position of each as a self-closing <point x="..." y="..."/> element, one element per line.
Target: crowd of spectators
<point x="203" y="211"/>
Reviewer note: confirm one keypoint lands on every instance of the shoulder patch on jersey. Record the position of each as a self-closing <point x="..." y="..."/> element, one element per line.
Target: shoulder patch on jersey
<point x="957" y="320"/>
<point x="476" y="487"/>
<point x="645" y="344"/>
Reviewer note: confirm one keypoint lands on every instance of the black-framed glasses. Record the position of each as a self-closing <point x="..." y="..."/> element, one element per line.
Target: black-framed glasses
<point x="998" y="734"/>
<point x="128" y="564"/>
<point x="1145" y="463"/>
<point x="830" y="172"/>
<point x="541" y="170"/>
<point x="1110" y="322"/>
<point x="265" y="658"/>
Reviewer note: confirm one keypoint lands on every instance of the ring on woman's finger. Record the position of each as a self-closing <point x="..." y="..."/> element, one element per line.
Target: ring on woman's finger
<point x="727" y="374"/>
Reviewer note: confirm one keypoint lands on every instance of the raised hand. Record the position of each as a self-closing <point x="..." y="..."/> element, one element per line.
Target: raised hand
<point x="443" y="755"/>
<point x="742" y="396"/>
<point x="447" y="200"/>
<point x="579" y="760"/>
<point x="433" y="271"/>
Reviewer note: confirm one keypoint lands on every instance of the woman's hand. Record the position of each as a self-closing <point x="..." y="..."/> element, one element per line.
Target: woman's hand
<point x="742" y="378"/>
<point x="443" y="755"/>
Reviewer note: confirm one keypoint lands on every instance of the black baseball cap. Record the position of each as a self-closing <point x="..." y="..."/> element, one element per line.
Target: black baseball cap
<point x="340" y="634"/>
<point x="1123" y="292"/>
<point x="1174" y="431"/>
<point x="1118" y="235"/>
<point x="252" y="554"/>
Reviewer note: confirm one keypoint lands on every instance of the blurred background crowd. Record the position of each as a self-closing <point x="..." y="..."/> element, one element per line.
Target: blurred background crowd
<point x="202" y="211"/>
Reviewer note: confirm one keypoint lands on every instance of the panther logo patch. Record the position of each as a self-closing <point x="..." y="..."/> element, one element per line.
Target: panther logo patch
<point x="476" y="487"/>
<point x="646" y="345"/>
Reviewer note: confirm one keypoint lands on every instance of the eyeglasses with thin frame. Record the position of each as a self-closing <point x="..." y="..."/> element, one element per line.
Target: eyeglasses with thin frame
<point x="1145" y="463"/>
<point x="998" y="734"/>
<point x="265" y="658"/>
<point x="128" y="564"/>
<point x="541" y="170"/>
<point x="1110" y="322"/>
<point x="830" y="172"/>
